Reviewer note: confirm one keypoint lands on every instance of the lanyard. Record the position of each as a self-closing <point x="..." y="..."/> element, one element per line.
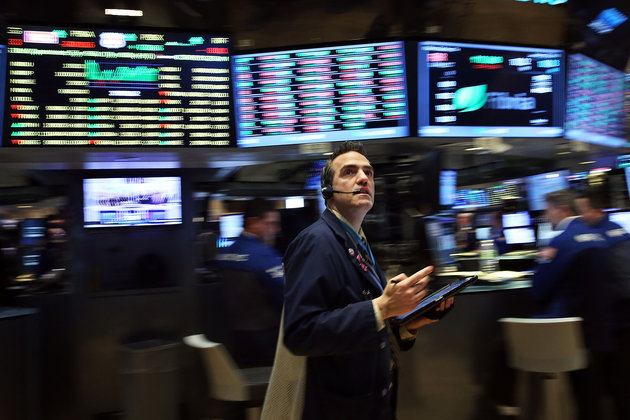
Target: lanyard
<point x="358" y="242"/>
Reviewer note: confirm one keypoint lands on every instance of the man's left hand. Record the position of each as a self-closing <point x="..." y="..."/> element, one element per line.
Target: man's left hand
<point x="421" y="322"/>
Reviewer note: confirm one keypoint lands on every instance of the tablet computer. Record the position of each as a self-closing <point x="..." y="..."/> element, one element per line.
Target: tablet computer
<point x="437" y="297"/>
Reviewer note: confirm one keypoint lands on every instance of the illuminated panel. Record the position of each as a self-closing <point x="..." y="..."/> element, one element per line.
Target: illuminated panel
<point x="448" y="187"/>
<point x="141" y="201"/>
<point x="89" y="87"/>
<point x="506" y="191"/>
<point x="595" y="102"/>
<point x="540" y="185"/>
<point x="476" y="90"/>
<point x="627" y="100"/>
<point x="321" y="94"/>
<point x="471" y="198"/>
<point x="3" y="64"/>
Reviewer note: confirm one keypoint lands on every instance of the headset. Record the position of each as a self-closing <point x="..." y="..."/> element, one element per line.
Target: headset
<point x="328" y="191"/>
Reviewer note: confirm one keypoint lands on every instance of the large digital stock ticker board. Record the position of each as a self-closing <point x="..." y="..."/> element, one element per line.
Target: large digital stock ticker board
<point x="97" y="87"/>
<point x="476" y="90"/>
<point x="320" y="94"/>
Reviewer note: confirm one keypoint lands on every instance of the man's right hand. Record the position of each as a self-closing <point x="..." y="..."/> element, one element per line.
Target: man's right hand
<point x="402" y="294"/>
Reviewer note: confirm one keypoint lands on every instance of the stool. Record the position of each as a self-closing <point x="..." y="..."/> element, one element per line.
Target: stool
<point x="547" y="347"/>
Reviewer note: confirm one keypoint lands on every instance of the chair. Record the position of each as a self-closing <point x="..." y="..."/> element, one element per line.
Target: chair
<point x="226" y="381"/>
<point x="549" y="347"/>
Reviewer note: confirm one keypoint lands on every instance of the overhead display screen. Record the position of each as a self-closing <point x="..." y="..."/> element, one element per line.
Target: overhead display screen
<point x="477" y="90"/>
<point x="595" y="102"/>
<point x="97" y="87"/>
<point x="3" y="65"/>
<point x="323" y="94"/>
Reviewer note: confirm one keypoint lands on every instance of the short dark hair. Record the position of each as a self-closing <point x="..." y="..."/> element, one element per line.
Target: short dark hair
<point x="561" y="198"/>
<point x="347" y="146"/>
<point x="597" y="196"/>
<point x="257" y="207"/>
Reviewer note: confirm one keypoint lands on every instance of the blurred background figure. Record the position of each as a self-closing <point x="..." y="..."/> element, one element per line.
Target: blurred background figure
<point x="253" y="283"/>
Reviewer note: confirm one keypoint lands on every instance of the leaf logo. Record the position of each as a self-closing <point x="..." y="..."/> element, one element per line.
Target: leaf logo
<point x="471" y="98"/>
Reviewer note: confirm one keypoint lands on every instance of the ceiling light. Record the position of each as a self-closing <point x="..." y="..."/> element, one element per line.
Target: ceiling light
<point x="123" y="12"/>
<point x="587" y="162"/>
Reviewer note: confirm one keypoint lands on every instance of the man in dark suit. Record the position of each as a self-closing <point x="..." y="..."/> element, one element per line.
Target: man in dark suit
<point x="339" y="308"/>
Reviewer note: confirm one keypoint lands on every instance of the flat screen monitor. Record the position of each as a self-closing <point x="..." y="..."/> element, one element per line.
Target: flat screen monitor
<point x="231" y="225"/>
<point x="471" y="198"/>
<point x="519" y="236"/>
<point x="441" y="241"/>
<point x="30" y="259"/>
<point x="32" y="231"/>
<point x="622" y="218"/>
<point x="545" y="233"/>
<point x="72" y="86"/>
<point x="483" y="233"/>
<point x="485" y="219"/>
<point x="313" y="95"/>
<point x="448" y="188"/>
<point x="3" y="66"/>
<point x="540" y="185"/>
<point x="595" y="102"/>
<point x="481" y="90"/>
<point x="518" y="219"/>
<point x="507" y="190"/>
<point x="139" y="201"/>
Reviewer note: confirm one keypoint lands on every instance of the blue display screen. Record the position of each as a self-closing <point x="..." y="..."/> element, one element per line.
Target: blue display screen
<point x="539" y="185"/>
<point x="313" y="95"/>
<point x="595" y="102"/>
<point x="471" y="198"/>
<point x="448" y="187"/>
<point x="477" y="90"/>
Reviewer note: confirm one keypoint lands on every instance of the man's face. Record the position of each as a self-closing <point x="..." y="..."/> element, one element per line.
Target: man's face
<point x="352" y="172"/>
<point x="588" y="213"/>
<point x="554" y="214"/>
<point x="269" y="227"/>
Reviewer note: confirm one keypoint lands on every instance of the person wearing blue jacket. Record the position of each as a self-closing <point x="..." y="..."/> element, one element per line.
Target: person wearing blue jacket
<point x="254" y="312"/>
<point x="550" y="284"/>
<point x="253" y="250"/>
<point x="573" y="279"/>
<point x="340" y="310"/>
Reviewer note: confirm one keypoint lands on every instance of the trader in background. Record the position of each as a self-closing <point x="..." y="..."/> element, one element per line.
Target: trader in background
<point x="574" y="279"/>
<point x="340" y="312"/>
<point x="253" y="283"/>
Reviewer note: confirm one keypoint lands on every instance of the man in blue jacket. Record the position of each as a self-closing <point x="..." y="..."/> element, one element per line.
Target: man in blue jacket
<point x="339" y="309"/>
<point x="254" y="307"/>
<point x="574" y="279"/>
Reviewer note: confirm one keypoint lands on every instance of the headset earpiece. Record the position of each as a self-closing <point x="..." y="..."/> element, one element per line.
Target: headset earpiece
<point x="327" y="192"/>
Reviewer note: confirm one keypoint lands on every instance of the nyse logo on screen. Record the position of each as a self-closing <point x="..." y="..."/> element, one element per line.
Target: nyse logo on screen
<point x="473" y="98"/>
<point x="470" y="98"/>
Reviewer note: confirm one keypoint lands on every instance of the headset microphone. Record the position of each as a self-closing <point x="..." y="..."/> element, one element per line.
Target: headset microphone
<point x="328" y="192"/>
